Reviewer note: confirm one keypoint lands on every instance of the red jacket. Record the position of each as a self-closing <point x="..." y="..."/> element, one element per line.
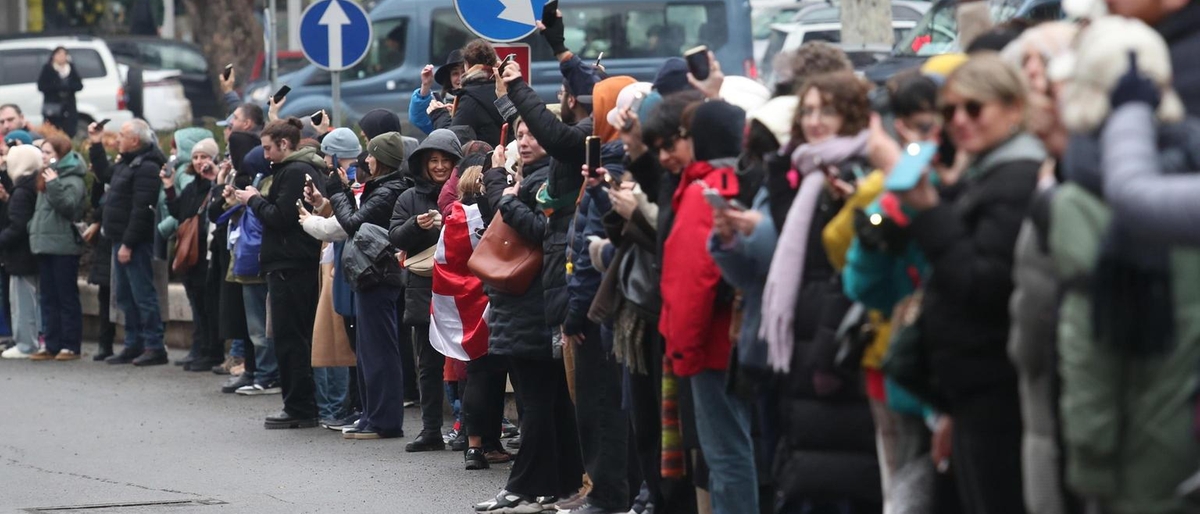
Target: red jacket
<point x="695" y="328"/>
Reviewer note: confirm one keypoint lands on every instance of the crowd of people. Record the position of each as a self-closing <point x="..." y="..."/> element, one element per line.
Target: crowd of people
<point x="961" y="291"/>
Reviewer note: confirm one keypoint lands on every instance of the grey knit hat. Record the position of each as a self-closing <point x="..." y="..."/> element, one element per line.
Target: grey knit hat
<point x="341" y="142"/>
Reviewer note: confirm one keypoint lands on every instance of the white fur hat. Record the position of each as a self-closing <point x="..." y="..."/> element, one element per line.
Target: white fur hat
<point x="1100" y="57"/>
<point x="23" y="160"/>
<point x="743" y="92"/>
<point x="777" y="115"/>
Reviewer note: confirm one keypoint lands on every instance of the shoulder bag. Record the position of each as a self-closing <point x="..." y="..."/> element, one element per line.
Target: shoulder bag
<point x="504" y="260"/>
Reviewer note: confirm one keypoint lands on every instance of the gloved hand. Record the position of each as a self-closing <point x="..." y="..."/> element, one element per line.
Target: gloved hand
<point x="554" y="31"/>
<point x="1135" y="87"/>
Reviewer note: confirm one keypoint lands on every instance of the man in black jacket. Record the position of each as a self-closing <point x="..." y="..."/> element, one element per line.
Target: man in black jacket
<point x="133" y="189"/>
<point x="290" y="258"/>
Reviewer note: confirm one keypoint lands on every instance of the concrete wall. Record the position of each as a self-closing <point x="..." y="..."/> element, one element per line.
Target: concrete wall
<point x="178" y="314"/>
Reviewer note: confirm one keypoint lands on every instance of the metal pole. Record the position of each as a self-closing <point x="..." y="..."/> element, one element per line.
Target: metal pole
<point x="272" y="45"/>
<point x="168" y="25"/>
<point x="337" y="98"/>
<point x="293" y="23"/>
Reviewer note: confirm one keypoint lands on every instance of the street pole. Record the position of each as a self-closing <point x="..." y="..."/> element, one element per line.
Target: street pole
<point x="337" y="98"/>
<point x="272" y="51"/>
<point x="168" y="25"/>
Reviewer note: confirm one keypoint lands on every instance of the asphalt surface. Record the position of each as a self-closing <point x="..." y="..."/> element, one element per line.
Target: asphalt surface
<point x="75" y="434"/>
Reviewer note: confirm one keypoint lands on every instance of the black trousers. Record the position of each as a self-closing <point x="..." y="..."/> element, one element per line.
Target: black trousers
<point x="549" y="463"/>
<point x="354" y="400"/>
<point x="379" y="371"/>
<point x="194" y="284"/>
<point x="293" y="300"/>
<point x="408" y="358"/>
<point x="603" y="426"/>
<point x="986" y="453"/>
<point x="108" y="329"/>
<point x="430" y="365"/>
<point x="483" y="401"/>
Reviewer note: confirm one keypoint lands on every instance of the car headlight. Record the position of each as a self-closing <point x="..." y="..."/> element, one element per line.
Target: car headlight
<point x="259" y="94"/>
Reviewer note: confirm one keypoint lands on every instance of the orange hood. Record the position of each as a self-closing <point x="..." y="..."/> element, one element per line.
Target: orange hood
<point x="604" y="99"/>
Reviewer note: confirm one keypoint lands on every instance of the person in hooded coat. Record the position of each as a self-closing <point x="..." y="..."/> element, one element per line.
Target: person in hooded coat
<point x="475" y="105"/>
<point x="227" y="307"/>
<point x="23" y="162"/>
<point x="414" y="228"/>
<point x="55" y="241"/>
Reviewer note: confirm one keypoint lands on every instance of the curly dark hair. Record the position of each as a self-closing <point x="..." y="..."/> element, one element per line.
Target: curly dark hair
<point x="479" y="52"/>
<point x="812" y="58"/>
<point x="846" y="93"/>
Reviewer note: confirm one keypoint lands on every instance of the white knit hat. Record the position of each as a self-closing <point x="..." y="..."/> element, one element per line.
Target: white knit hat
<point x="23" y="160"/>
<point x="777" y="115"/>
<point x="743" y="92"/>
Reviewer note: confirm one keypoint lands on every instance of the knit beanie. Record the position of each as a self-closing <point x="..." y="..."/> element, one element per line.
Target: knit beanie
<point x="341" y="142"/>
<point x="388" y="149"/>
<point x="717" y="129"/>
<point x="18" y="136"/>
<point x="23" y="160"/>
<point x="206" y="146"/>
<point x="379" y="121"/>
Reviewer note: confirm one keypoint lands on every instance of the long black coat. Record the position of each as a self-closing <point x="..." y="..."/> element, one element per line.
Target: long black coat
<point x="56" y="89"/>
<point x="14" y="236"/>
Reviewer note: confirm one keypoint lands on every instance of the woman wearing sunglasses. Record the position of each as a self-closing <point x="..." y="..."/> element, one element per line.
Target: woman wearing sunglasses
<point x="968" y="236"/>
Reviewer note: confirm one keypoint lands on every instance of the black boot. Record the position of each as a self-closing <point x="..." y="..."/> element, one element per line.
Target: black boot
<point x="125" y="357"/>
<point x="151" y="358"/>
<point x="104" y="352"/>
<point x="427" y="441"/>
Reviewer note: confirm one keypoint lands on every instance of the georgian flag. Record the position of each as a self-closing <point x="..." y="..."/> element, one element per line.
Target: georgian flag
<point x="458" y="328"/>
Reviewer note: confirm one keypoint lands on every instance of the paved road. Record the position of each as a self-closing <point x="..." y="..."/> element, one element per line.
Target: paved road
<point x="84" y="433"/>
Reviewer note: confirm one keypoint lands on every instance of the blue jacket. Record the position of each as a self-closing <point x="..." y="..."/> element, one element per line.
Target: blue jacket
<point x="584" y="280"/>
<point x="745" y="264"/>
<point x="416" y="111"/>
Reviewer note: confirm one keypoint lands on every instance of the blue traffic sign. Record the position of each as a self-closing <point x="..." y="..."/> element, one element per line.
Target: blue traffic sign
<point x="500" y="21"/>
<point x="335" y="34"/>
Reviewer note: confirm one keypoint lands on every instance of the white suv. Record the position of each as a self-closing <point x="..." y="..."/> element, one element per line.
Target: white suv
<point x="103" y="95"/>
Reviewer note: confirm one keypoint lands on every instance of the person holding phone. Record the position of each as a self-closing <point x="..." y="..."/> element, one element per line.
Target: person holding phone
<point x="414" y="229"/>
<point x="448" y="76"/>
<point x="290" y="258"/>
<point x="475" y="106"/>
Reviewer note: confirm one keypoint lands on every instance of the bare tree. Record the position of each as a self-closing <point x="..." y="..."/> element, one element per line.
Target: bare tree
<point x="229" y="32"/>
<point x="866" y="22"/>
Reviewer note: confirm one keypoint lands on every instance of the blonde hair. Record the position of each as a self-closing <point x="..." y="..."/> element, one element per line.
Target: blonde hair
<point x="986" y="77"/>
<point x="470" y="183"/>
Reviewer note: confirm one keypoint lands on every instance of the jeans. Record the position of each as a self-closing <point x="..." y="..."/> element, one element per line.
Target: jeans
<point x="549" y="463"/>
<point x="430" y="365"/>
<point x="26" y="313"/>
<point x="60" y="302"/>
<point x="381" y="376"/>
<point x="331" y="384"/>
<point x="138" y="299"/>
<point x="603" y="425"/>
<point x="723" y="427"/>
<point x="293" y="297"/>
<point x="266" y="367"/>
<point x="236" y="349"/>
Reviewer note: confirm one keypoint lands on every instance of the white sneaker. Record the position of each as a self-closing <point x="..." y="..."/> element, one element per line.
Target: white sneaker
<point x="257" y="390"/>
<point x="15" y="353"/>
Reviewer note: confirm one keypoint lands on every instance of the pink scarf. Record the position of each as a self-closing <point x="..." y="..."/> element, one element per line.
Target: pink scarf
<point x="787" y="264"/>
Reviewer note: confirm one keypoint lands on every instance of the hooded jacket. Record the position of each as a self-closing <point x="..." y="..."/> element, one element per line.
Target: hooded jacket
<point x="969" y="244"/>
<point x="403" y="231"/>
<point x="285" y="245"/>
<point x="14" y="236"/>
<point x="133" y="189"/>
<point x="475" y="107"/>
<point x="52" y="229"/>
<point x="185" y="139"/>
<point x="604" y="99"/>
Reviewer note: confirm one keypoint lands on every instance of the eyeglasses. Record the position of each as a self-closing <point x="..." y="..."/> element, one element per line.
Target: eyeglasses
<point x="824" y="112"/>
<point x="973" y="107"/>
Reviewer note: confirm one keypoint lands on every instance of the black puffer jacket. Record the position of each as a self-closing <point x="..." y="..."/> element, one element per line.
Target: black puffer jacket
<point x="518" y="327"/>
<point x="476" y="109"/>
<point x="14" y="237"/>
<point x="566" y="144"/>
<point x="101" y="270"/>
<point x="188" y="204"/>
<point x="378" y="200"/>
<point x="133" y="188"/>
<point x="285" y="245"/>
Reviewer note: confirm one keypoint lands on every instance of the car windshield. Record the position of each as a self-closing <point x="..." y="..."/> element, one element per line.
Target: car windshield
<point x="937" y="32"/>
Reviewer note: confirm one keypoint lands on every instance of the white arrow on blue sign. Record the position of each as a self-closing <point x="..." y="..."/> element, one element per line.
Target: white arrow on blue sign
<point x="500" y="21"/>
<point x="335" y="34"/>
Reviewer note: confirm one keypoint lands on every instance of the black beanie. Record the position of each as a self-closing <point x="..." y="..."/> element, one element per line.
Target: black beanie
<point x="717" y="129"/>
<point x="379" y="121"/>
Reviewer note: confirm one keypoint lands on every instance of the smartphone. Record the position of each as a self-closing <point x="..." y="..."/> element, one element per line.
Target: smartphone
<point x="634" y="107"/>
<point x="283" y="92"/>
<point x="102" y="123"/>
<point x="598" y="58"/>
<point x="907" y="173"/>
<point x="318" y="117"/>
<point x="715" y="199"/>
<point x="697" y="62"/>
<point x="507" y="59"/>
<point x="503" y="136"/>
<point x="308" y="181"/>
<point x="227" y="71"/>
<point x="299" y="204"/>
<point x="593" y="156"/>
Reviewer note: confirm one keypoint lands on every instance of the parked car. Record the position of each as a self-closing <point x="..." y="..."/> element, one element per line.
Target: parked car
<point x="762" y="18"/>
<point x="152" y="53"/>
<point x="937" y="32"/>
<point x="822" y="22"/>
<point x="430" y="29"/>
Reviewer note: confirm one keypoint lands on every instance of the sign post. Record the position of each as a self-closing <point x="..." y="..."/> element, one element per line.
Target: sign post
<point x="335" y="35"/>
<point x="500" y="21"/>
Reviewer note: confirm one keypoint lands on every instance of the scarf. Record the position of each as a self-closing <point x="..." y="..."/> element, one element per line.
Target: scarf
<point x="787" y="264"/>
<point x="63" y="71"/>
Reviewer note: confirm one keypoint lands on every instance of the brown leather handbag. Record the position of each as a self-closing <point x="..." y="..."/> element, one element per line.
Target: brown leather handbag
<point x="187" y="248"/>
<point x="504" y="260"/>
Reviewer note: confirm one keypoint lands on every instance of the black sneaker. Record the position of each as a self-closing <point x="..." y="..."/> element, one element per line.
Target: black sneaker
<point x="503" y="500"/>
<point x="125" y="357"/>
<point x="514" y="443"/>
<point x="202" y="365"/>
<point x="459" y="444"/>
<point x="341" y="423"/>
<point x="234" y="383"/>
<point x="151" y="358"/>
<point x="103" y="353"/>
<point x="508" y="430"/>
<point x="474" y="459"/>
<point x="283" y="420"/>
<point x="426" y="441"/>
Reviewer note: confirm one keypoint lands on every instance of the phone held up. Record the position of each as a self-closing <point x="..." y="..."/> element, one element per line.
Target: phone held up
<point x="318" y="117"/>
<point x="697" y="62"/>
<point x="592" y="144"/>
<point x="227" y="71"/>
<point x="508" y="59"/>
<point x="281" y="94"/>
<point x="634" y="107"/>
<point x="102" y="123"/>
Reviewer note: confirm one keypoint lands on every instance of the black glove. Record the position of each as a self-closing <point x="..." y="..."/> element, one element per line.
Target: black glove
<point x="1135" y="87"/>
<point x="555" y="33"/>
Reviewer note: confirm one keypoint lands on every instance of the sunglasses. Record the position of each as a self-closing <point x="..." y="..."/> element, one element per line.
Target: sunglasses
<point x="973" y="107"/>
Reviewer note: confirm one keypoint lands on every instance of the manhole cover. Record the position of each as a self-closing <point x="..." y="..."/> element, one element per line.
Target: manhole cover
<point x="126" y="506"/>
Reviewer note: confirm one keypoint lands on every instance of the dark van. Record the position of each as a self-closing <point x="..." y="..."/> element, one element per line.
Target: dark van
<point x="635" y="37"/>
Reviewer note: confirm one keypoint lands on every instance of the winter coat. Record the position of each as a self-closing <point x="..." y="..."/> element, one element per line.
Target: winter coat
<point x="476" y="108"/>
<point x="969" y="243"/>
<point x="52" y="230"/>
<point x="744" y="264"/>
<point x="584" y="279"/>
<point x="416" y="111"/>
<point x="133" y="189"/>
<point x="1127" y="423"/>
<point x="14" y="236"/>
<point x="694" y="321"/>
<point x="377" y="202"/>
<point x="285" y="245"/>
<point x="516" y="322"/>
<point x="100" y="272"/>
<point x="191" y="202"/>
<point x="565" y="144"/>
<point x="56" y="89"/>
<point x="1181" y="30"/>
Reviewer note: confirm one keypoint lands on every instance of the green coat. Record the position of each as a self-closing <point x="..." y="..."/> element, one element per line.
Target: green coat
<point x="52" y="229"/>
<point x="1126" y="421"/>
